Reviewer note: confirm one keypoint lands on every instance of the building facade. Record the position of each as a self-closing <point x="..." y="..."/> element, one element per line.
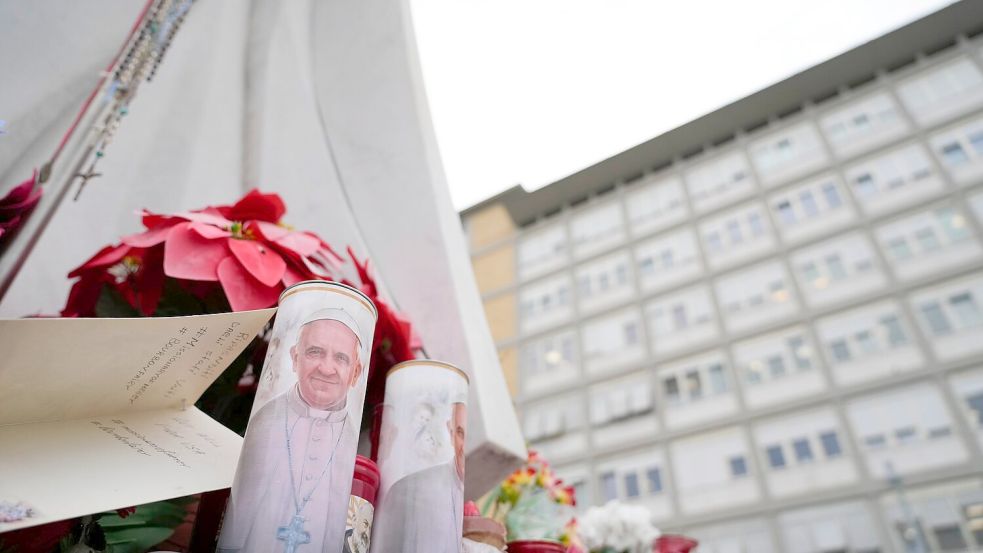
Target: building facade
<point x="767" y="325"/>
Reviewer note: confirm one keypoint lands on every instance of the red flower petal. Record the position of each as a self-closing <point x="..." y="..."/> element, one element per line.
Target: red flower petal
<point x="209" y="231"/>
<point x="207" y="218"/>
<point x="189" y="255"/>
<point x="263" y="263"/>
<point x="269" y="231"/>
<point x="83" y="297"/>
<point x="153" y="220"/>
<point x="21" y="198"/>
<point x="300" y="243"/>
<point x="149" y="282"/>
<point x="148" y="238"/>
<point x="243" y="291"/>
<point x="103" y="258"/>
<point x="292" y="276"/>
<point x="257" y="206"/>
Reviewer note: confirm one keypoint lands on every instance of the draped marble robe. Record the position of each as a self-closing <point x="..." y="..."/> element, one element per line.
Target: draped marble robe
<point x="263" y="500"/>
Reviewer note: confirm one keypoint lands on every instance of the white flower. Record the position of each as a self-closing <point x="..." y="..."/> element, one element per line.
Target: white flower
<point x="623" y="528"/>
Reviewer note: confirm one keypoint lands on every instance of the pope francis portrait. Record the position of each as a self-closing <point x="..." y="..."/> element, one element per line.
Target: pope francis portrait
<point x="291" y="487"/>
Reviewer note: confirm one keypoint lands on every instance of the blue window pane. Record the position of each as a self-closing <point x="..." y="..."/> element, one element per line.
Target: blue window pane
<point x="832" y="195"/>
<point x="608" y="486"/>
<point x="786" y="214"/>
<point x="809" y="205"/>
<point x="803" y="451"/>
<point x="936" y="319"/>
<point x="776" y="366"/>
<point x="738" y="466"/>
<point x="954" y="154"/>
<point x="976" y="404"/>
<point x="776" y="458"/>
<point x="875" y="441"/>
<point x="831" y="444"/>
<point x="655" y="480"/>
<point x="864" y="185"/>
<point x="631" y="484"/>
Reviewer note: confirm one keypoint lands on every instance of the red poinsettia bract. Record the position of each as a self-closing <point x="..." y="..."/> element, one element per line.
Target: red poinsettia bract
<point x="242" y="248"/>
<point x="18" y="203"/>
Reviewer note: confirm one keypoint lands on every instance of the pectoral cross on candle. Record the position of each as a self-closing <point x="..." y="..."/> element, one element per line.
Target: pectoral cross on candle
<point x="293" y="534"/>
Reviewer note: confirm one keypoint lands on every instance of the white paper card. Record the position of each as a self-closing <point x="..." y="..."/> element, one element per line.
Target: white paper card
<point x="98" y="414"/>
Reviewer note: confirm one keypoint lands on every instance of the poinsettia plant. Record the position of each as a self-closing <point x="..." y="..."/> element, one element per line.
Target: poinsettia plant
<point x="228" y="258"/>
<point x="533" y="503"/>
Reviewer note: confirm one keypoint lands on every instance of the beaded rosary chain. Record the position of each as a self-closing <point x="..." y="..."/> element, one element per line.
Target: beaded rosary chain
<point x="138" y="63"/>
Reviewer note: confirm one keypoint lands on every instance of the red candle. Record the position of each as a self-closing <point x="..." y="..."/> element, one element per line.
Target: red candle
<point x="361" y="505"/>
<point x="536" y="546"/>
<point x="674" y="544"/>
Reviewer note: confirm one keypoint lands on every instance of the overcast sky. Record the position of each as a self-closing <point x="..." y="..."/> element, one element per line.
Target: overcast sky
<point x="529" y="91"/>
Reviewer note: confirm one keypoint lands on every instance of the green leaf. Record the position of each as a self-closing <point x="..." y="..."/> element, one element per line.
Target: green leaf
<point x="112" y="304"/>
<point x="137" y="540"/>
<point x="148" y="526"/>
<point x="176" y="301"/>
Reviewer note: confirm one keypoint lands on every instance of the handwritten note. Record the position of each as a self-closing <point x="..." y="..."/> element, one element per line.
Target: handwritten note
<point x="97" y="414"/>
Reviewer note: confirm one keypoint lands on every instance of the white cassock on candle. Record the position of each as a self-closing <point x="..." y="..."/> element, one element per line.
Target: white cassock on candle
<point x="318" y="465"/>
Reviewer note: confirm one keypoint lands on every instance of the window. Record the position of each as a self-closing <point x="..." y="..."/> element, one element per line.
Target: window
<point x="738" y="466"/>
<point x="936" y="319"/>
<point x="975" y="403"/>
<point x="671" y="387"/>
<point x="831" y="444"/>
<point x="840" y="351"/>
<point x="621" y="274"/>
<point x="631" y="484"/>
<point x="906" y="434"/>
<point x="966" y="309"/>
<point x="609" y="487"/>
<point x="835" y="266"/>
<point x="776" y="366"/>
<point x="803" y="450"/>
<point x="940" y="432"/>
<point x="864" y="185"/>
<point x="603" y="282"/>
<point x="718" y="383"/>
<point x="875" y="441"/>
<point x="974" y="519"/>
<point x="950" y="538"/>
<point x="754" y="372"/>
<point x="679" y="317"/>
<point x="693" y="384"/>
<point x="786" y="214"/>
<point x="953" y="223"/>
<point x="713" y="242"/>
<point x="866" y="342"/>
<point x="734" y="232"/>
<point x="800" y="353"/>
<point x="776" y="458"/>
<point x="976" y="141"/>
<point x="667" y="259"/>
<point x="631" y="333"/>
<point x="899" y="248"/>
<point x="808" y="203"/>
<point x="757" y="226"/>
<point x="953" y="154"/>
<point x="647" y="266"/>
<point x="655" y="480"/>
<point x="832" y="195"/>
<point x="895" y="334"/>
<point x="810" y="272"/>
<point x="927" y="240"/>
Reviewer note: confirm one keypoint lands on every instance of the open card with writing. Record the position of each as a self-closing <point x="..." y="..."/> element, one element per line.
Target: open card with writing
<point x="98" y="414"/>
